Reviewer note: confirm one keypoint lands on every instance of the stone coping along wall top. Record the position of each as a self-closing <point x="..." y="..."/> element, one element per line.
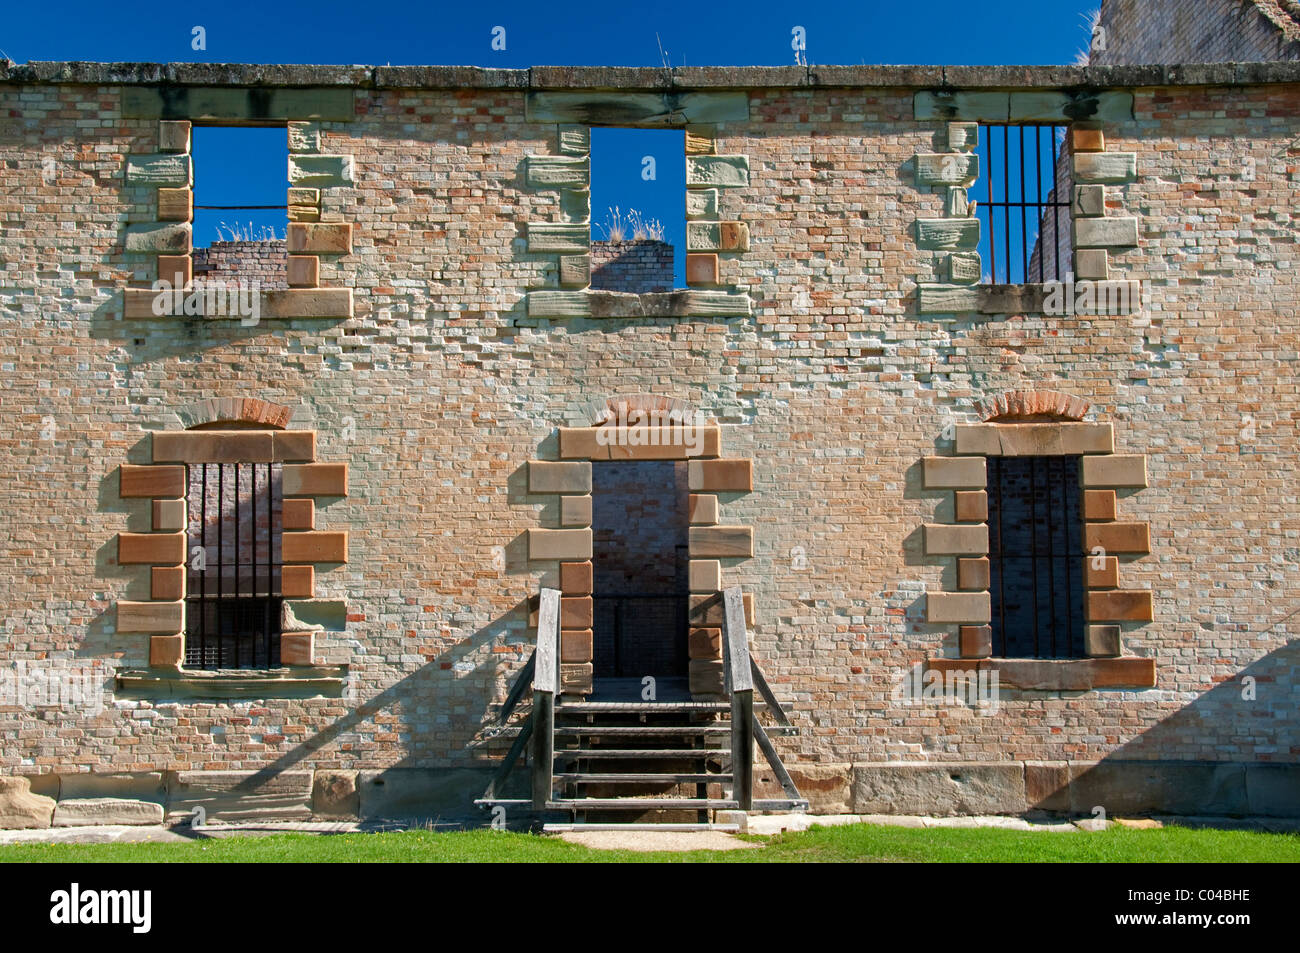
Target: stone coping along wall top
<point x="617" y="77"/>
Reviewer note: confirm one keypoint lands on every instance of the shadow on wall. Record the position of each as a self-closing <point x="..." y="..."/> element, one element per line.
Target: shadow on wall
<point x="1134" y="779"/>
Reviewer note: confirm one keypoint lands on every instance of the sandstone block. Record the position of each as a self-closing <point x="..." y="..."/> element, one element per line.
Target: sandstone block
<point x="724" y="475"/>
<point x="158" y="238"/>
<point x="1102" y="641"/>
<point x="160" y="549"/>
<point x="315" y="479"/>
<point x="1115" y="470"/>
<point x="160" y="171"/>
<point x="334" y="795"/>
<point x="703" y="509"/>
<point x="1120" y="605"/>
<point x="942" y="539"/>
<point x="167" y="583"/>
<point x="701" y="269"/>
<point x="314" y="547"/>
<point x="234" y="796"/>
<point x="575" y="511"/>
<point x="20" y="809"/>
<point x="971" y="506"/>
<point x="563" y="544"/>
<point x="968" y="607"/>
<point x="710" y="171"/>
<point x="576" y="578"/>
<point x="1106" y="232"/>
<point x="1099" y="505"/>
<point x="973" y="573"/>
<point x="1118" y="537"/>
<point x="721" y="541"/>
<point x="175" y="205"/>
<point x="975" y="641"/>
<point x="320" y="171"/>
<point x="546" y="476"/>
<point x="332" y="238"/>
<point x="84" y="812"/>
<point x="298" y="582"/>
<point x="705" y="677"/>
<point x="704" y="643"/>
<point x="174" y="135"/>
<point x="576" y="645"/>
<point x="705" y="575"/>
<point x="939" y="789"/>
<point x="954" y="473"/>
<point x="164" y="618"/>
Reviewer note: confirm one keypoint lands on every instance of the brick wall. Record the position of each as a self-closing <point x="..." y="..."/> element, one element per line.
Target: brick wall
<point x="441" y="386"/>
<point x="1197" y="31"/>
<point x="634" y="266"/>
<point x="261" y="261"/>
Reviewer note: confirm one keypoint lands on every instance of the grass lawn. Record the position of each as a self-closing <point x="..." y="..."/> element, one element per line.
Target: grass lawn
<point x="860" y="842"/>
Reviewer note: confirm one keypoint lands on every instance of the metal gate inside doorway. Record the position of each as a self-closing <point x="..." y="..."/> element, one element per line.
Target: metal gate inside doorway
<point x="638" y="634"/>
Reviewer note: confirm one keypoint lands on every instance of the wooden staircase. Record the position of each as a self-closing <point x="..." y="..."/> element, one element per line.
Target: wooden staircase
<point x="659" y="764"/>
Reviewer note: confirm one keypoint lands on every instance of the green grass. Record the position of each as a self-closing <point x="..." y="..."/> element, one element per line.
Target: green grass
<point x="859" y="842"/>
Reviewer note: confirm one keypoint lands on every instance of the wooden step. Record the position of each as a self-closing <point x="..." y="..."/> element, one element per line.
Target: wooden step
<point x="573" y="731"/>
<point x="684" y="754"/>
<point x="641" y="804"/>
<point x="652" y="708"/>
<point x="588" y="777"/>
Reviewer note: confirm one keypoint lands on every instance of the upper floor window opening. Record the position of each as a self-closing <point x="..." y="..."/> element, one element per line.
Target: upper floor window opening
<point x="1024" y="203"/>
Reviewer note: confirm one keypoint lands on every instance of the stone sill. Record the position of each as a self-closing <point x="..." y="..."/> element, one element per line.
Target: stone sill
<point x="1058" y="675"/>
<point x="304" y="682"/>
<point x="646" y="78"/>
<point x="1023" y="299"/>
<point x="331" y="304"/>
<point x="685" y="303"/>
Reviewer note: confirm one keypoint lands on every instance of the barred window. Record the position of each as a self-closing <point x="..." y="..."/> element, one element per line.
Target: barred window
<point x="233" y="598"/>
<point x="1024" y="199"/>
<point x="1036" y="557"/>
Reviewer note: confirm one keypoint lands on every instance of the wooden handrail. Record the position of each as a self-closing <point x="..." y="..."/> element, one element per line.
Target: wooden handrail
<point x="738" y="682"/>
<point x="546" y="685"/>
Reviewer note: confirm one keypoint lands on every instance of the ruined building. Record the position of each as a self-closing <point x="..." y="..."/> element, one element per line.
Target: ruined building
<point x="1001" y="529"/>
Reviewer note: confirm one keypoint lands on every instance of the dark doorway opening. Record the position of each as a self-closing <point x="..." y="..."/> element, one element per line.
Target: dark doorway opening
<point x="640" y="556"/>
<point x="1036" y="557"/>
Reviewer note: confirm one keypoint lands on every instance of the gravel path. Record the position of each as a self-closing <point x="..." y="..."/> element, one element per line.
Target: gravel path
<point x="656" y="840"/>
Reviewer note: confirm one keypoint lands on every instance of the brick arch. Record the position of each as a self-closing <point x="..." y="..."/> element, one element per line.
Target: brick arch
<point x="608" y="410"/>
<point x="247" y="411"/>
<point x="1031" y="405"/>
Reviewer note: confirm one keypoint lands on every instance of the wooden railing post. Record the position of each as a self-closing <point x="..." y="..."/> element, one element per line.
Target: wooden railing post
<point x="739" y="684"/>
<point x="546" y="685"/>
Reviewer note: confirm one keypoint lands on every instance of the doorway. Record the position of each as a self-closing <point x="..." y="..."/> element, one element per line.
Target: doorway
<point x="640" y="564"/>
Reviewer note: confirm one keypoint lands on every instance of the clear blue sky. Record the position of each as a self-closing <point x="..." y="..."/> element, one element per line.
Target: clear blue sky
<point x="620" y="33"/>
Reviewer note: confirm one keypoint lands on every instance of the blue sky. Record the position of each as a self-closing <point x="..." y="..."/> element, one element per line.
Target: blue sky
<point x="627" y="33"/>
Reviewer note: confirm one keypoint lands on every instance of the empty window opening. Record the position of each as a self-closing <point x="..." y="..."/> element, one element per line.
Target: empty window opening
<point x="1036" y="559"/>
<point x="638" y="220"/>
<point x="240" y="211"/>
<point x="1023" y="193"/>
<point x="233" y="601"/>
<point x="640" y="556"/>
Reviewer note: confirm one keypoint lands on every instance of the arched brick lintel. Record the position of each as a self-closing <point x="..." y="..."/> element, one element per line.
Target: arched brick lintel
<point x="1031" y="405"/>
<point x="235" y="410"/>
<point x="611" y="410"/>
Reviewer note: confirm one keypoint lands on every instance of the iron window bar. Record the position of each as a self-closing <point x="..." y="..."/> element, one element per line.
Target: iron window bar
<point x="1046" y="205"/>
<point x="233" y="600"/>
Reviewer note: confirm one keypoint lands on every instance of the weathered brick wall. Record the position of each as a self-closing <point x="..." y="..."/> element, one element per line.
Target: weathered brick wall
<point x="634" y="266"/>
<point x="1197" y="31"/>
<point x="261" y="261"/>
<point x="441" y="387"/>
